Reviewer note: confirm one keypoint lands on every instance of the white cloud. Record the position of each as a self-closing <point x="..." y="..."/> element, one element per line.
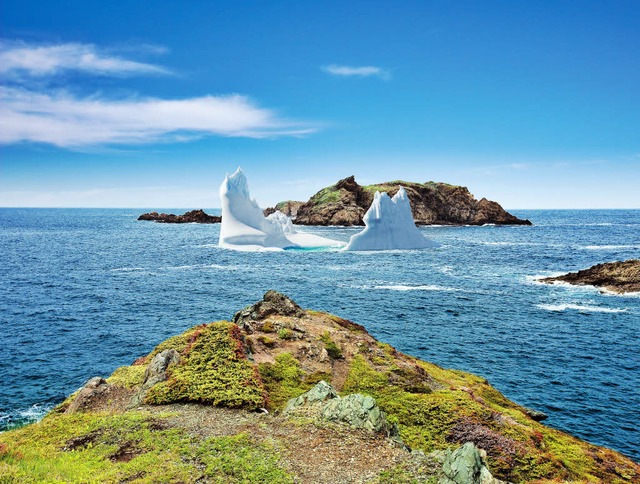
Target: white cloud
<point x="20" y="58"/>
<point x="63" y="120"/>
<point x="361" y="71"/>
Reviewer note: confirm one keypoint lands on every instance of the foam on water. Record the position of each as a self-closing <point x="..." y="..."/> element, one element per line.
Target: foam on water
<point x="579" y="307"/>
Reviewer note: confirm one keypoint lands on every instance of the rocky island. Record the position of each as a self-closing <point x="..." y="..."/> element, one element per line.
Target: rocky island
<point x="619" y="277"/>
<point x="194" y="216"/>
<point x="346" y="202"/>
<point x="281" y="394"/>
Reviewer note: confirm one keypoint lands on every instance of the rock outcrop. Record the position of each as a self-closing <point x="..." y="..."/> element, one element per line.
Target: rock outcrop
<point x="466" y="465"/>
<point x="199" y="415"/>
<point x="346" y="202"/>
<point x="288" y="207"/>
<point x="194" y="216"/>
<point x="620" y="277"/>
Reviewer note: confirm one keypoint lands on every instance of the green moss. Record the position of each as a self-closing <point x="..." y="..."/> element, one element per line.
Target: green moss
<point x="267" y="327"/>
<point x="283" y="380"/>
<point x="333" y="350"/>
<point x="326" y="195"/>
<point x="214" y="370"/>
<point x="92" y="448"/>
<point x="268" y="342"/>
<point x="128" y="376"/>
<point x="286" y="333"/>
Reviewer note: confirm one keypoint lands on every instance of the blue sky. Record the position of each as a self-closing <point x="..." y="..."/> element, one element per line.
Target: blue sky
<point x="131" y="104"/>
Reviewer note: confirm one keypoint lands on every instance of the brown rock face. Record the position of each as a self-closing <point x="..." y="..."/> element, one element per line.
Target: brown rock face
<point x="289" y="208"/>
<point x="346" y="202"/>
<point x="618" y="277"/>
<point x="194" y="216"/>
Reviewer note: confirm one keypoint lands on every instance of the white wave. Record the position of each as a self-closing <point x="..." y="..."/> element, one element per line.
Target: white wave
<point x="403" y="287"/>
<point x="579" y="307"/>
<point x="609" y="247"/>
<point x="202" y="266"/>
<point x="127" y="269"/>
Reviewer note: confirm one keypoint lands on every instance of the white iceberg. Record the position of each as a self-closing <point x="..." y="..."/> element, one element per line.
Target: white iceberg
<point x="244" y="226"/>
<point x="389" y="226"/>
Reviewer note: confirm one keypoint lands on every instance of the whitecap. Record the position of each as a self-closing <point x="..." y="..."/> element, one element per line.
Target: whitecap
<point x="580" y="308"/>
<point x="609" y="247"/>
<point x="127" y="269"/>
<point x="403" y="287"/>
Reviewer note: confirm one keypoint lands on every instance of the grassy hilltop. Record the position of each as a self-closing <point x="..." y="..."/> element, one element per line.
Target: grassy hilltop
<point x="190" y="412"/>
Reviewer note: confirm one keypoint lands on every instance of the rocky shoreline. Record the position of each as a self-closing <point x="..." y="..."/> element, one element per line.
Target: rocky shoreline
<point x="346" y="202"/>
<point x="193" y="216"/>
<point x="281" y="394"/>
<point x="619" y="277"/>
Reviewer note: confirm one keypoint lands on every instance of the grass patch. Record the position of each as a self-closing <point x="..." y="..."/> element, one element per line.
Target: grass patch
<point x="326" y="195"/>
<point x="99" y="448"/>
<point x="283" y="380"/>
<point x="213" y="369"/>
<point x="286" y="333"/>
<point x="333" y="350"/>
<point x="128" y="376"/>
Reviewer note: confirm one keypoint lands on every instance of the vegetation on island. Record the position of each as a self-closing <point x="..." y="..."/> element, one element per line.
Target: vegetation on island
<point x="202" y="422"/>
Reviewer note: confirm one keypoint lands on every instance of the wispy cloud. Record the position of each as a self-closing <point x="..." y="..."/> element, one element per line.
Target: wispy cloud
<point x="359" y="71"/>
<point x="20" y="58"/>
<point x="64" y="120"/>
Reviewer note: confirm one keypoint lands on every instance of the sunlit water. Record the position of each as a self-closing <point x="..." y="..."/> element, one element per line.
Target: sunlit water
<point x="85" y="291"/>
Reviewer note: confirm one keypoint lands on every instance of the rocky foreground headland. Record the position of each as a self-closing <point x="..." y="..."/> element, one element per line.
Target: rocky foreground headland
<point x="281" y="395"/>
<point x="619" y="277"/>
<point x="346" y="202"/>
<point x="194" y="216"/>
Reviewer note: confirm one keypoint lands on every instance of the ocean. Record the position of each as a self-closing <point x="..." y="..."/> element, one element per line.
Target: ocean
<point x="83" y="291"/>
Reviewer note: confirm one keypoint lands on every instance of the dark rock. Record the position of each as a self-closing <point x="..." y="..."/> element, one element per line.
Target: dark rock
<point x="618" y="277"/>
<point x="194" y="216"/>
<point x="272" y="302"/>
<point x="346" y="202"/>
<point x="93" y="390"/>
<point x="536" y="414"/>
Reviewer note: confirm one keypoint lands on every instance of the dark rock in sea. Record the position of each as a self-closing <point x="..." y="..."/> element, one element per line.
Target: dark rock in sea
<point x="346" y="202"/>
<point x="194" y="216"/>
<point x="620" y="277"/>
<point x="536" y="415"/>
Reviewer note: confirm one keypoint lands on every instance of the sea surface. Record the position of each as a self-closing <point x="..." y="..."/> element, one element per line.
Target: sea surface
<point x="85" y="291"/>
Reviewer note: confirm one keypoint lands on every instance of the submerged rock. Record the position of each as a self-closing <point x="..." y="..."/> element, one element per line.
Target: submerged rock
<point x="194" y="216"/>
<point x="620" y="277"/>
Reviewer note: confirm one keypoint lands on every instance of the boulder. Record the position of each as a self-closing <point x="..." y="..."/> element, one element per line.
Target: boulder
<point x="157" y="369"/>
<point x="318" y="394"/>
<point x="466" y="465"/>
<point x="94" y="390"/>
<point x="272" y="303"/>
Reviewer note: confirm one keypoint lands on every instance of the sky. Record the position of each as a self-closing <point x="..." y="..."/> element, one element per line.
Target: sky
<point x="140" y="104"/>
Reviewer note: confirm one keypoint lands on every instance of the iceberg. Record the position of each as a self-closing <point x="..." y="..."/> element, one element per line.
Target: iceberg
<point x="389" y="225"/>
<point x="244" y="226"/>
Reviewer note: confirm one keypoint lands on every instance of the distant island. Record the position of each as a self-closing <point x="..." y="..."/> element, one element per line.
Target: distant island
<point x="346" y="202"/>
<point x="281" y="394"/>
<point x="620" y="277"/>
<point x="194" y="216"/>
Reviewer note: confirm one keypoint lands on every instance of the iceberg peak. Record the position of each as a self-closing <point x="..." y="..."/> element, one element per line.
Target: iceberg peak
<point x="389" y="225"/>
<point x="244" y="226"/>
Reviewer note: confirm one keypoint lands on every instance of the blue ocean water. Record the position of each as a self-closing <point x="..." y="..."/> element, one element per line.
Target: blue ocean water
<point x="85" y="291"/>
